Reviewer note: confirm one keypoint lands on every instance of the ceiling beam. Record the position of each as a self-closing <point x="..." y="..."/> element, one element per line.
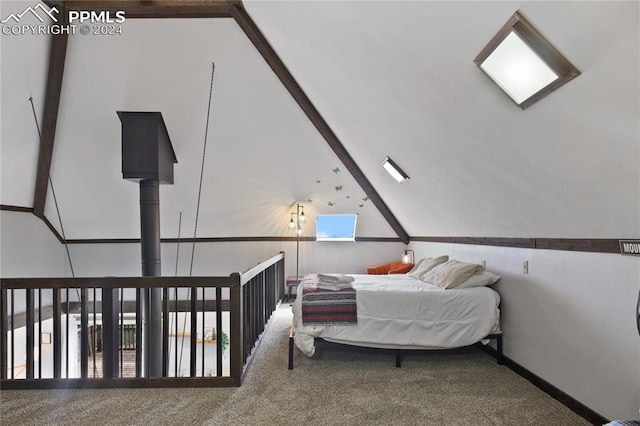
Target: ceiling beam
<point x="57" y="55"/>
<point x="154" y="8"/>
<point x="260" y="42"/>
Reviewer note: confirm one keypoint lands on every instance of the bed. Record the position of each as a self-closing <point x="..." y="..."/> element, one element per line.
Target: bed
<point x="404" y="312"/>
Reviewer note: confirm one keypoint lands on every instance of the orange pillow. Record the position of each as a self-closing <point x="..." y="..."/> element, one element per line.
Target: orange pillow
<point x="389" y="268"/>
<point x="406" y="267"/>
<point x="377" y="270"/>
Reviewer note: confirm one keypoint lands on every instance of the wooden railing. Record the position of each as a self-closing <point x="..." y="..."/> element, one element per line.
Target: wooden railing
<point x="92" y="332"/>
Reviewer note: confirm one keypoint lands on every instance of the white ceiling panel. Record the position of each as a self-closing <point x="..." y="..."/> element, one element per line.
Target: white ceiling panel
<point x="262" y="153"/>
<point x="398" y="79"/>
<point x="23" y="75"/>
<point x="390" y="78"/>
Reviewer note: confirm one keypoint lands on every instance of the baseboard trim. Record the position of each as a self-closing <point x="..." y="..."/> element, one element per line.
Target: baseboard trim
<point x="570" y="402"/>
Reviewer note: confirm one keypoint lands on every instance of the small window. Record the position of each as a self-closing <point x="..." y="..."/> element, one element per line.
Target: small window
<point x="336" y="227"/>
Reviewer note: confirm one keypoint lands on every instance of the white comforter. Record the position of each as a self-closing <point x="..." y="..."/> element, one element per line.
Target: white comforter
<point x="398" y="311"/>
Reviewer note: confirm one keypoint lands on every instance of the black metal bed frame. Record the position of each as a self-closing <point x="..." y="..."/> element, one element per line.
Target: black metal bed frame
<point x="400" y="353"/>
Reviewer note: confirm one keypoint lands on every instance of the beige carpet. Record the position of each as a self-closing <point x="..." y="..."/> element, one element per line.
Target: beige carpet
<point x="344" y="386"/>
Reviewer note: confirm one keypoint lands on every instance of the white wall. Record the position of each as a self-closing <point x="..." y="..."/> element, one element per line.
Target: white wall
<point x="28" y="248"/>
<point x="570" y="321"/>
<point x="225" y="258"/>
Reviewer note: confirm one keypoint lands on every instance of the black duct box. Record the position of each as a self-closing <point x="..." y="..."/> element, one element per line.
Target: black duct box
<point x="147" y="152"/>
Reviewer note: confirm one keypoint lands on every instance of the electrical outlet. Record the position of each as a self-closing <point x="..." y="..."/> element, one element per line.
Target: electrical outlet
<point x="525" y="267"/>
<point x="484" y="264"/>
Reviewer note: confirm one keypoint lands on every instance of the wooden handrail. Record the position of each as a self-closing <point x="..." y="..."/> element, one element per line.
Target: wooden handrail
<point x="247" y="275"/>
<point x="116" y="282"/>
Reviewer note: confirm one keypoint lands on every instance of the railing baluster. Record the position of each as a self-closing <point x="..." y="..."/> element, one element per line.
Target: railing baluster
<point x="67" y="334"/>
<point x="267" y="294"/>
<point x="13" y="334"/>
<point x="30" y="332"/>
<point x="109" y="345"/>
<point x="250" y="307"/>
<point x="121" y="345"/>
<point x="39" y="333"/>
<point x="139" y="296"/>
<point x="203" y="336"/>
<point x="192" y="333"/>
<point x="94" y="336"/>
<point x="219" y="342"/>
<point x="57" y="333"/>
<point x="246" y="300"/>
<point x="260" y="316"/>
<point x="259" y="304"/>
<point x="84" y="334"/>
<point x="272" y="288"/>
<point x="255" y="308"/>
<point x="254" y="311"/>
<point x="3" y="336"/>
<point x="236" y="315"/>
<point x="175" y="354"/>
<point x="4" y="331"/>
<point x="165" y="332"/>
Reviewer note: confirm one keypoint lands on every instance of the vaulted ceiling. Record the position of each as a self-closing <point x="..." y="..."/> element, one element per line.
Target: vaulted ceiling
<point x="387" y="78"/>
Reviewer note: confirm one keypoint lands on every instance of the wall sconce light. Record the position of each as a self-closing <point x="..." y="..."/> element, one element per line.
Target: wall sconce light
<point x="523" y="63"/>
<point x="45" y="338"/>
<point x="394" y="170"/>
<point x="409" y="257"/>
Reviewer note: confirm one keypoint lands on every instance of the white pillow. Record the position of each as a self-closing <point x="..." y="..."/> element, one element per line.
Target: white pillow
<point x="451" y="274"/>
<point x="427" y="264"/>
<point x="480" y="280"/>
<point x="416" y="266"/>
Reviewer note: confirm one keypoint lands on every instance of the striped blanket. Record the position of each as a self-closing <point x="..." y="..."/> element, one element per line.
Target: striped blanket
<point x="327" y="307"/>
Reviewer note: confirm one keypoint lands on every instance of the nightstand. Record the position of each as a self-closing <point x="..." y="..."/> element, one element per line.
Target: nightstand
<point x="292" y="282"/>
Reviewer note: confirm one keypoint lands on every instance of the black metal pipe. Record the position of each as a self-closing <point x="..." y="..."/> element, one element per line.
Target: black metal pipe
<point x="150" y="227"/>
<point x="151" y="267"/>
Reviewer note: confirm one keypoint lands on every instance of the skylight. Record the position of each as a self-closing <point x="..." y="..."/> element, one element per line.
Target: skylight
<point x="394" y="170"/>
<point x="523" y="63"/>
